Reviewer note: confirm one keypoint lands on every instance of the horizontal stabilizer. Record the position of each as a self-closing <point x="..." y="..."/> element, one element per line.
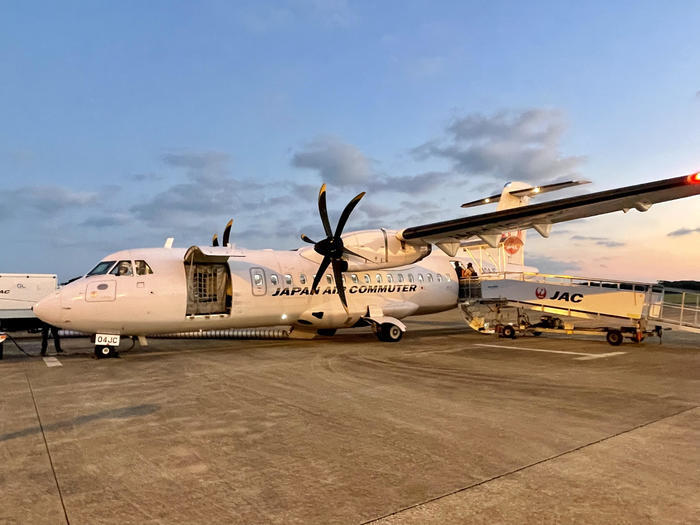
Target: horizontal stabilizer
<point x="527" y="192"/>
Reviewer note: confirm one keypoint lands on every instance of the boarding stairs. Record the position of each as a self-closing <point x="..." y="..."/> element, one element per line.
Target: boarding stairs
<point x="585" y="298"/>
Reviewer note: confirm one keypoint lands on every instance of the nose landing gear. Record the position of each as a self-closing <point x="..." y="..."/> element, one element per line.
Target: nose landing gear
<point x="103" y="351"/>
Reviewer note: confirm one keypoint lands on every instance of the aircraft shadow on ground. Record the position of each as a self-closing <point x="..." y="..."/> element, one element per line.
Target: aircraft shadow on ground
<point x="116" y="413"/>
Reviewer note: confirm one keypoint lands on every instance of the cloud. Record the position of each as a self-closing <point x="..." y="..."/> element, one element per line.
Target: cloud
<point x="413" y="184"/>
<point x="47" y="200"/>
<point x="512" y="145"/>
<point x="143" y="177"/>
<point x="106" y="221"/>
<point x="683" y="231"/>
<point x="374" y="211"/>
<point x="208" y="191"/>
<point x="337" y="162"/>
<point x="553" y="266"/>
<point x="600" y="241"/>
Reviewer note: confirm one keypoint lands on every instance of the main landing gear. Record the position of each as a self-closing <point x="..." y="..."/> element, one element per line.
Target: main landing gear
<point x="389" y="333"/>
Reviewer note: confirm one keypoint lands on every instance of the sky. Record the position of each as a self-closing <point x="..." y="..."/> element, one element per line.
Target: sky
<point x="124" y="123"/>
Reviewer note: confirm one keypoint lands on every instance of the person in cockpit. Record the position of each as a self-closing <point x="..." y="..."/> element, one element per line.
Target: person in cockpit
<point x="124" y="268"/>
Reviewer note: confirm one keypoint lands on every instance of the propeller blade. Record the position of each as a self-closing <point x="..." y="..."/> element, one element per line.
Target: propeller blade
<point x="323" y="211"/>
<point x="345" y="250"/>
<point x="306" y="239"/>
<point x="319" y="274"/>
<point x="227" y="233"/>
<point x="215" y="240"/>
<point x="338" y="274"/>
<point x="346" y="213"/>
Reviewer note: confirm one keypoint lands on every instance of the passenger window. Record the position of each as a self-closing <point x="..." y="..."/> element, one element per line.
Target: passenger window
<point x="389" y="278"/>
<point x="302" y="278"/>
<point x="274" y="279"/>
<point x="366" y="278"/>
<point x="430" y="277"/>
<point x="400" y="278"/>
<point x="420" y="277"/>
<point x="288" y="279"/>
<point x="142" y="268"/>
<point x="329" y="279"/>
<point x="123" y="268"/>
<point x="101" y="268"/>
<point x="439" y="279"/>
<point x="410" y="277"/>
<point x="257" y="276"/>
<point x="354" y="278"/>
<point x="379" y="277"/>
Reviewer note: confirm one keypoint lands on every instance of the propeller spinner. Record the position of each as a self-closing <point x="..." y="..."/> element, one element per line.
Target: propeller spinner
<point x="332" y="247"/>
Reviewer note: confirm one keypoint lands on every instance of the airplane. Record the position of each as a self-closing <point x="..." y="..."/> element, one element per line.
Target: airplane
<point x="363" y="278"/>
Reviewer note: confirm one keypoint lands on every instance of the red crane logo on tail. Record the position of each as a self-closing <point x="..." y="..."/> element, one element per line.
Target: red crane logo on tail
<point x="541" y="293"/>
<point x="513" y="242"/>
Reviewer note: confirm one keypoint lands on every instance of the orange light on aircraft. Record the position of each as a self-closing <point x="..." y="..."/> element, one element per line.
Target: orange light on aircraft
<point x="694" y="178"/>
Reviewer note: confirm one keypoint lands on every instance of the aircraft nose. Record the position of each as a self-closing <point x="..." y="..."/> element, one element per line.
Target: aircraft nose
<point x="49" y="309"/>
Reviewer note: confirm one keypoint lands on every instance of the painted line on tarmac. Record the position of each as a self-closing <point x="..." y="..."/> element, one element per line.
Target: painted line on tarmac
<point x="523" y="468"/>
<point x="52" y="361"/>
<point x="584" y="356"/>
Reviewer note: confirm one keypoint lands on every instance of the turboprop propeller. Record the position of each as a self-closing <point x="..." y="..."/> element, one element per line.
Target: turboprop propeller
<point x="227" y="234"/>
<point x="332" y="247"/>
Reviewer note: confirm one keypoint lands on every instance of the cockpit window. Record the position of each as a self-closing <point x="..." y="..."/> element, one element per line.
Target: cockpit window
<point x="122" y="268"/>
<point x="101" y="268"/>
<point x="142" y="268"/>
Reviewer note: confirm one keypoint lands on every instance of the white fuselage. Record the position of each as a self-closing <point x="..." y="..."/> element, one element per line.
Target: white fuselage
<point x="266" y="288"/>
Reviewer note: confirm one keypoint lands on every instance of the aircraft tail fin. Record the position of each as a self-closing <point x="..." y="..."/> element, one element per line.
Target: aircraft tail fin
<point x="509" y="255"/>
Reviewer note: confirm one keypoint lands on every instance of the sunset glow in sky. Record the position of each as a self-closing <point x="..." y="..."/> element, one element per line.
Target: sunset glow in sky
<point x="123" y="123"/>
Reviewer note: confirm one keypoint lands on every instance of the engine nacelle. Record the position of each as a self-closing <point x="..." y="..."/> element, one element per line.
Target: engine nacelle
<point x="379" y="249"/>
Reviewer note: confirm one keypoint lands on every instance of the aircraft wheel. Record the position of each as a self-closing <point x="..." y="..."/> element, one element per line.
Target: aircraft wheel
<point x="105" y="351"/>
<point x="509" y="332"/>
<point x="326" y="331"/>
<point x="614" y="337"/>
<point x="389" y="333"/>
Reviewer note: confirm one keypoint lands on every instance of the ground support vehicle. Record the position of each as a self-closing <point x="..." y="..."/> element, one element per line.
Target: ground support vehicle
<point x="504" y="303"/>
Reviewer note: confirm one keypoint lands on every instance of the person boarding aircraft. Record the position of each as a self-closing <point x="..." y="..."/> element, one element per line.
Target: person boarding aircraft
<point x="362" y="278"/>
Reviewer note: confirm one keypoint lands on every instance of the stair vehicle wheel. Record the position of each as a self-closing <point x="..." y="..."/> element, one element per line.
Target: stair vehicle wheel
<point x="326" y="331"/>
<point x="509" y="332"/>
<point x="614" y="337"/>
<point x="389" y="333"/>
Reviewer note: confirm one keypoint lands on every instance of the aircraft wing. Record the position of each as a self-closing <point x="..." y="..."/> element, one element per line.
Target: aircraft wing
<point x="489" y="226"/>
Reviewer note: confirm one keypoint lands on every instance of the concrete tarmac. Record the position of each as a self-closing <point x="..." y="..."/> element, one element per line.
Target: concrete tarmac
<point x="447" y="426"/>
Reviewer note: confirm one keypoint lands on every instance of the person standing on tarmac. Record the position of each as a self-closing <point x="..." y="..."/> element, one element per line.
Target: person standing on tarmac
<point x="45" y="338"/>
